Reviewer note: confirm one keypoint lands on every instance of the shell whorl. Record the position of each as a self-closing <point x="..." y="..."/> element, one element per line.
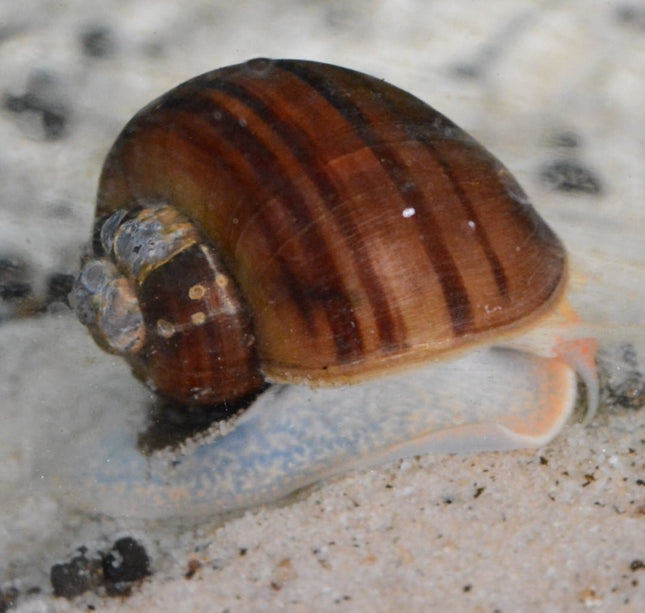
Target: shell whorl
<point x="157" y="293"/>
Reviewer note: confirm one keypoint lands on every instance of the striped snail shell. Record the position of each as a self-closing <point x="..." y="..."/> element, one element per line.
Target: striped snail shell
<point x="293" y="221"/>
<point x="300" y="223"/>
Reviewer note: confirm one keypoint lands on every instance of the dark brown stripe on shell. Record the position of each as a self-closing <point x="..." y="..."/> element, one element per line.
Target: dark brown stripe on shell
<point x="480" y="232"/>
<point x="454" y="291"/>
<point x="271" y="174"/>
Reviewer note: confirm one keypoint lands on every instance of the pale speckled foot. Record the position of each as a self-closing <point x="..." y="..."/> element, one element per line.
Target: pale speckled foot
<point x="294" y="436"/>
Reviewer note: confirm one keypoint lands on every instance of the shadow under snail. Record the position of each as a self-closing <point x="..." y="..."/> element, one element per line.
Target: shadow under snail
<point x="305" y="224"/>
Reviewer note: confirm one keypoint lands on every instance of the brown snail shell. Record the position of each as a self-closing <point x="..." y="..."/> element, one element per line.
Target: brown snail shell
<point x="324" y="227"/>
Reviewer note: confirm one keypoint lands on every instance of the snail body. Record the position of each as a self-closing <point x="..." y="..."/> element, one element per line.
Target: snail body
<point x="304" y="224"/>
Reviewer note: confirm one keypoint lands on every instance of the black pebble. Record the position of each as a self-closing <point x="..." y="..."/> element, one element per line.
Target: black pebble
<point x="632" y="15"/>
<point x="15" y="279"/>
<point x="8" y="599"/>
<point x="570" y="176"/>
<point x="59" y="285"/>
<point x="97" y="42"/>
<point x="565" y="140"/>
<point x="110" y="574"/>
<point x="127" y="561"/>
<point x="41" y="100"/>
<point x="79" y="575"/>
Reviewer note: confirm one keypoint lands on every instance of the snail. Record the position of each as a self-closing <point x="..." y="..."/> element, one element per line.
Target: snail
<point x="313" y="227"/>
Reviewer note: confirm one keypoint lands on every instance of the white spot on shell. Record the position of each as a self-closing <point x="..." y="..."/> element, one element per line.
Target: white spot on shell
<point x="198" y="318"/>
<point x="165" y="328"/>
<point x="221" y="280"/>
<point x="408" y="212"/>
<point x="472" y="225"/>
<point x="489" y="309"/>
<point x="197" y="292"/>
